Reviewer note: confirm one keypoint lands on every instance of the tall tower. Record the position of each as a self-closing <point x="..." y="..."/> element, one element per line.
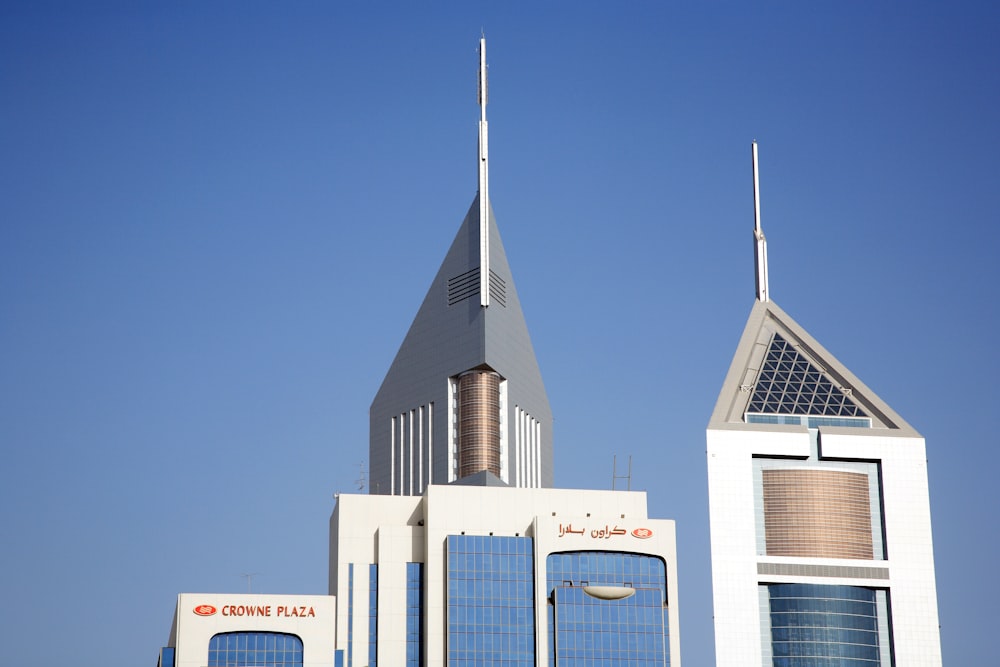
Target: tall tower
<point x="464" y="398"/>
<point x="819" y="507"/>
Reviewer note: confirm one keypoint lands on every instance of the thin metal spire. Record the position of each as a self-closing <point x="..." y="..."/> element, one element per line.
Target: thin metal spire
<point x="759" y="241"/>
<point x="484" y="192"/>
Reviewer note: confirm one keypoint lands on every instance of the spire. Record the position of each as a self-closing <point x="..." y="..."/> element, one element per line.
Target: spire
<point x="484" y="193"/>
<point x="760" y="243"/>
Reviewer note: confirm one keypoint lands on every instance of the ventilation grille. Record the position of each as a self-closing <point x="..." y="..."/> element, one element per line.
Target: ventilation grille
<point x="498" y="289"/>
<point x="466" y="285"/>
<point x="463" y="286"/>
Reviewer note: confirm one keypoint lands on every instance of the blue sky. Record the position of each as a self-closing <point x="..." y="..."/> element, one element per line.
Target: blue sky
<point x="218" y="220"/>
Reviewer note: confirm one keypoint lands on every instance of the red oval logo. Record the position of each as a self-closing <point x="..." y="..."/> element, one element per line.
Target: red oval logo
<point x="642" y="533"/>
<point x="205" y="610"/>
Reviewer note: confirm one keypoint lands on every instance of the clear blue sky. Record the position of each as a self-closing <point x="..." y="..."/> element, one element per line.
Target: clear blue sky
<point x="218" y="219"/>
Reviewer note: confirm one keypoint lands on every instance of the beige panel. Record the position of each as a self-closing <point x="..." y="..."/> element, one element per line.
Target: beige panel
<point x="817" y="513"/>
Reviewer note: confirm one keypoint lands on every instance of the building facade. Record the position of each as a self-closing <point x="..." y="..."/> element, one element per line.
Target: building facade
<point x="218" y="630"/>
<point x="820" y="515"/>
<point x="490" y="575"/>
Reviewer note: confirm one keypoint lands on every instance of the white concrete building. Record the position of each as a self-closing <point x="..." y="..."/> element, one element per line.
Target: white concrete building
<point x="474" y="575"/>
<point x="820" y="516"/>
<point x="220" y="629"/>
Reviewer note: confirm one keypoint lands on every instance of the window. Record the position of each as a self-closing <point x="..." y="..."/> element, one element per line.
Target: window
<point x="491" y="593"/>
<point x="814" y="625"/>
<point x="585" y="630"/>
<point x="254" y="649"/>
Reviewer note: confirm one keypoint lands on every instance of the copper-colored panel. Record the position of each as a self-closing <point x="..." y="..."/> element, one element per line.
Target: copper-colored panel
<point x="817" y="513"/>
<point x="479" y="423"/>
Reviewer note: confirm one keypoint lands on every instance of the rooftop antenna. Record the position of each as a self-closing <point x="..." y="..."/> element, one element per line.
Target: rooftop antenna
<point x="759" y="242"/>
<point x="615" y="476"/>
<point x="484" y="194"/>
<point x="249" y="576"/>
<point x="361" y="480"/>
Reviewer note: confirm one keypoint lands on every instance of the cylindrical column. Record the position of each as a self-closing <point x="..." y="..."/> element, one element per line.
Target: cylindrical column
<point x="478" y="423"/>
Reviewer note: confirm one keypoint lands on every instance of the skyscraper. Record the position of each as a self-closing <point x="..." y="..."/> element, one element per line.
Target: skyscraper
<point x="820" y="516"/>
<point x="464" y="397"/>
<point x="447" y="561"/>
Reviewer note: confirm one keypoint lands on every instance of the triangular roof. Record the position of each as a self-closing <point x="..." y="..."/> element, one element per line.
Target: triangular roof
<point x="779" y="369"/>
<point x="453" y="328"/>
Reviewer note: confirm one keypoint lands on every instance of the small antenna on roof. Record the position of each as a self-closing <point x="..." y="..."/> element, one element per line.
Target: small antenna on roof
<point x="615" y="476"/>
<point x="362" y="477"/>
<point x="249" y="576"/>
<point x="759" y="241"/>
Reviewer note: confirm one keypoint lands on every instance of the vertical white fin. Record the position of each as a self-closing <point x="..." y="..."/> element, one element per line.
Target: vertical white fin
<point x="759" y="241"/>
<point x="484" y="173"/>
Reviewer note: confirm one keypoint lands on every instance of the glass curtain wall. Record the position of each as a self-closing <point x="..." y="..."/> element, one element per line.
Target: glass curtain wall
<point x="490" y="601"/>
<point x="254" y="649"/>
<point x="607" y="608"/>
<point x="814" y="625"/>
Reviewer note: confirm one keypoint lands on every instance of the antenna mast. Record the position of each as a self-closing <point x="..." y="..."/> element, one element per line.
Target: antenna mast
<point x="484" y="195"/>
<point x="362" y="477"/>
<point x="615" y="476"/>
<point x="249" y="576"/>
<point x="759" y="242"/>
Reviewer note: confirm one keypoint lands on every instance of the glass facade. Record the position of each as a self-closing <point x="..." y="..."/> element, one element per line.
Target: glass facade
<point x="414" y="615"/>
<point x="586" y="631"/>
<point x="166" y="657"/>
<point x="814" y="625"/>
<point x="789" y="384"/>
<point x="372" y="615"/>
<point x="350" y="615"/>
<point x="817" y="513"/>
<point x="254" y="649"/>
<point x="491" y="593"/>
<point x="811" y="422"/>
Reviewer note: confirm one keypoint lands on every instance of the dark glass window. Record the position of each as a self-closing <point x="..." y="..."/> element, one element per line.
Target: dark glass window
<point x="789" y="384"/>
<point x="814" y="625"/>
<point x="254" y="649"/>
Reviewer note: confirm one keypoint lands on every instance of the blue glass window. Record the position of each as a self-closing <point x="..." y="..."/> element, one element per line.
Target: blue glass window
<point x="254" y="649"/>
<point x="814" y="625"/>
<point x="491" y="599"/>
<point x="166" y="657"/>
<point x="350" y="615"/>
<point x="586" y="631"/>
<point x="372" y="615"/>
<point x="811" y="422"/>
<point x="414" y="614"/>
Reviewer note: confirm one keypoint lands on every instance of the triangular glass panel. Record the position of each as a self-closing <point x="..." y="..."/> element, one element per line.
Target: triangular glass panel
<point x="790" y="384"/>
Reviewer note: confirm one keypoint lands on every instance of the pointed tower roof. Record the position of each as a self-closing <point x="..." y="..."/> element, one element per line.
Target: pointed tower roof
<point x="782" y="375"/>
<point x="451" y="325"/>
<point x="472" y="306"/>
<point x="470" y="321"/>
